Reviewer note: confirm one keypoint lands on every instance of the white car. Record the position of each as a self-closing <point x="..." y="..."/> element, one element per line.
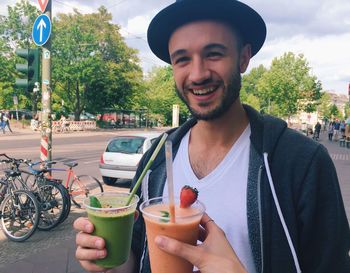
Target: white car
<point x="122" y="155"/>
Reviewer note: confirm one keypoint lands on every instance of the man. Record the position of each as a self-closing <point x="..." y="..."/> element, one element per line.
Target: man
<point x="2" y="122"/>
<point x="6" y="118"/>
<point x="280" y="209"/>
<point x="317" y="130"/>
<point x="336" y="130"/>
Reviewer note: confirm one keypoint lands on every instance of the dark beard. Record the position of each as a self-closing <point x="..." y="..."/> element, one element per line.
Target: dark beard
<point x="230" y="96"/>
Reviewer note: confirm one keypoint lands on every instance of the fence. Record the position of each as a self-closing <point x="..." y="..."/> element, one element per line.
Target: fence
<point x="75" y="125"/>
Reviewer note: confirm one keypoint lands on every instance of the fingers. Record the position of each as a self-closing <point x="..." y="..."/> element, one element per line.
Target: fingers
<point x="207" y="222"/>
<point x="177" y="248"/>
<point x="87" y="254"/>
<point x="89" y="241"/>
<point x="83" y="224"/>
<point x="89" y="247"/>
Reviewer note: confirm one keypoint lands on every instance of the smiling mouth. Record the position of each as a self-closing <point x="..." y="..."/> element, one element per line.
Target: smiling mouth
<point x="204" y="91"/>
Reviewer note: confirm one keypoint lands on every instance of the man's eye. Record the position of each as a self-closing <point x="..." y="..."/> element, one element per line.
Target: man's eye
<point x="181" y="60"/>
<point x="214" y="54"/>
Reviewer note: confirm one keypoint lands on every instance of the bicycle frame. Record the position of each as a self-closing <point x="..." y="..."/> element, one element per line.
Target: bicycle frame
<point x="69" y="171"/>
<point x="70" y="175"/>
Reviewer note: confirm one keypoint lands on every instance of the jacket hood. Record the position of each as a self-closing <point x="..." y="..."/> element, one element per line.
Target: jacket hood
<point x="266" y="130"/>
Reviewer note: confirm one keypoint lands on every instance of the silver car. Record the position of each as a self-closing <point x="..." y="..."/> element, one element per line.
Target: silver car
<point x="122" y="155"/>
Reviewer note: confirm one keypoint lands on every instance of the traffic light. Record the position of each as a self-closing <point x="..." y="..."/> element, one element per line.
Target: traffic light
<point x="31" y="69"/>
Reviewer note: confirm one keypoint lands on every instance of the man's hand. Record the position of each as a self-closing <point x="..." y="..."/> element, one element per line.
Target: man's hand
<point x="89" y="247"/>
<point x="215" y="254"/>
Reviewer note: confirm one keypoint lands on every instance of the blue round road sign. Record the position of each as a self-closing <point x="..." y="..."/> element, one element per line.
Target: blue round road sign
<point x="41" y="30"/>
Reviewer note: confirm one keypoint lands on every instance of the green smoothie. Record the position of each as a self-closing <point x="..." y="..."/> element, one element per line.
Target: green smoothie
<point x="114" y="223"/>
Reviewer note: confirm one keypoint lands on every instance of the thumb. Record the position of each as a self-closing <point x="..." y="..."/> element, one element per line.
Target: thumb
<point x="177" y="248"/>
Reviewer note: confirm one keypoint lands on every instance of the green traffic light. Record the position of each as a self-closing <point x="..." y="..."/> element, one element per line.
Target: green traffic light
<point x="31" y="69"/>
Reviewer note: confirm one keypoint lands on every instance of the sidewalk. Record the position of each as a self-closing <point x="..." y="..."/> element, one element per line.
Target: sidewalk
<point x="341" y="160"/>
<point x="59" y="254"/>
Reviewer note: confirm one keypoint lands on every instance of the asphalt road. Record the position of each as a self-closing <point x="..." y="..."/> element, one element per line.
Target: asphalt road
<point x="82" y="147"/>
<point x="53" y="251"/>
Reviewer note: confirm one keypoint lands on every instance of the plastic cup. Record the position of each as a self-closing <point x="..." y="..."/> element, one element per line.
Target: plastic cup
<point x="114" y="223"/>
<point x="185" y="229"/>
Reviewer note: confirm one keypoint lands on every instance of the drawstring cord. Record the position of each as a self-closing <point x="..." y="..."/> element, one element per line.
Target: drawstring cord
<point x="285" y="228"/>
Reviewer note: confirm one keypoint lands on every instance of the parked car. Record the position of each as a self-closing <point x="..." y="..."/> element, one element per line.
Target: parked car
<point x="122" y="155"/>
<point x="22" y="114"/>
<point x="83" y="116"/>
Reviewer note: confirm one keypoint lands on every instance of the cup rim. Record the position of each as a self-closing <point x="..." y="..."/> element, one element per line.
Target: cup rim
<point x="133" y="202"/>
<point x="201" y="206"/>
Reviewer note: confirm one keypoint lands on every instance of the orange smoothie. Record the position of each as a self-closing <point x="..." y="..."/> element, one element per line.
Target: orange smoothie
<point x="185" y="229"/>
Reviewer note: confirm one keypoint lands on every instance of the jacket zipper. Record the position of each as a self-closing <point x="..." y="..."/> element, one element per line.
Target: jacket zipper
<point x="260" y="218"/>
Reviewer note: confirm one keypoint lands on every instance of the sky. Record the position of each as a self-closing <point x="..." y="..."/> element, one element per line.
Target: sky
<point x="318" y="29"/>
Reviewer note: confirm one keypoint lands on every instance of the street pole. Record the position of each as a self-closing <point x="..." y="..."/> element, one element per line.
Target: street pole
<point x="46" y="121"/>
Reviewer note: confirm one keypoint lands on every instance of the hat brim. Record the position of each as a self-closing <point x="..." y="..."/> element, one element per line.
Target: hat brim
<point x="243" y="18"/>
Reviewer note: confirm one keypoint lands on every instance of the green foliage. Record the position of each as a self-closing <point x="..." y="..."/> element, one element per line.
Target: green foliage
<point x="15" y="32"/>
<point x="249" y="92"/>
<point x="325" y="103"/>
<point x="287" y="87"/>
<point x="94" y="68"/>
<point x="347" y="110"/>
<point x="160" y="94"/>
<point x="334" y="112"/>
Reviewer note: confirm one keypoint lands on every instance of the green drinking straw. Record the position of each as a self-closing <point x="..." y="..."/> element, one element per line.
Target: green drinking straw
<point x="148" y="165"/>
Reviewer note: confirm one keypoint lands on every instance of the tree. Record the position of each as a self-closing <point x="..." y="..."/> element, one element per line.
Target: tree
<point x="15" y="32"/>
<point x="288" y="87"/>
<point x="249" y="91"/>
<point x="334" y="112"/>
<point x="347" y="110"/>
<point x="94" y="69"/>
<point x="324" y="105"/>
<point x="160" y="94"/>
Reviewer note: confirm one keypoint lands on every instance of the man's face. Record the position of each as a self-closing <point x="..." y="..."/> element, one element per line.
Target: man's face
<point x="207" y="67"/>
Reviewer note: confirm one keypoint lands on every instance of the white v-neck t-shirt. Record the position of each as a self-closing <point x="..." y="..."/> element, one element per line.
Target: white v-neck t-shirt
<point x="223" y="191"/>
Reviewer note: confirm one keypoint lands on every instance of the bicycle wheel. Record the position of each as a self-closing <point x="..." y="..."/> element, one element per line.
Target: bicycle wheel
<point x="68" y="202"/>
<point x="53" y="202"/>
<point x="19" y="215"/>
<point x="82" y="186"/>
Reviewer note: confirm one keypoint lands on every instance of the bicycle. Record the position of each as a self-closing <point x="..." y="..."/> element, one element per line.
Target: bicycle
<point x="79" y="186"/>
<point x="19" y="209"/>
<point x="53" y="199"/>
<point x="62" y="127"/>
<point x="53" y="196"/>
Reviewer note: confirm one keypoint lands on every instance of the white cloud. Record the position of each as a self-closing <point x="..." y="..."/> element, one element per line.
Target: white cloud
<point x="320" y="29"/>
<point x="327" y="56"/>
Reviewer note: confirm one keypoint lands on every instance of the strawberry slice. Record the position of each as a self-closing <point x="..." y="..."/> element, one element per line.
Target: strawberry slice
<point x="188" y="196"/>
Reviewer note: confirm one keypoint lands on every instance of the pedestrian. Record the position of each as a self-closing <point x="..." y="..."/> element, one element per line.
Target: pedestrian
<point x="317" y="130"/>
<point x="336" y="130"/>
<point x="342" y="129"/>
<point x="2" y="122"/>
<point x="330" y="131"/>
<point x="6" y="121"/>
<point x="271" y="208"/>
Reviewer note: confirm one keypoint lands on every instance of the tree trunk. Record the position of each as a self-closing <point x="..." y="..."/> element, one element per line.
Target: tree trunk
<point x="77" y="102"/>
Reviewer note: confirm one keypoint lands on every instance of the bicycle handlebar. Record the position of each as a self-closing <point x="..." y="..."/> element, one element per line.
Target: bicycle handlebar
<point x="13" y="160"/>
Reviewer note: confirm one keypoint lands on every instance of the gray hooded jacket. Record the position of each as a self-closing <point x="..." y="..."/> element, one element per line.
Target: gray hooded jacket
<point x="304" y="230"/>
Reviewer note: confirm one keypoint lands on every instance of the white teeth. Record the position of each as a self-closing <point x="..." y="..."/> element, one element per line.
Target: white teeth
<point x="203" y="91"/>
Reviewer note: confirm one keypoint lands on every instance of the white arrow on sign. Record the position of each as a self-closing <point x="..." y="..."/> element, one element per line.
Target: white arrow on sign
<point x="41" y="25"/>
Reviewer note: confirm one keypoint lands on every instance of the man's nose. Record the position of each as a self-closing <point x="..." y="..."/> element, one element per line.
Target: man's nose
<point x="199" y="71"/>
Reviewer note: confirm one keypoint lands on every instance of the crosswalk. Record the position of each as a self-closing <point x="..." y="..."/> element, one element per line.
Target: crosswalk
<point x="340" y="156"/>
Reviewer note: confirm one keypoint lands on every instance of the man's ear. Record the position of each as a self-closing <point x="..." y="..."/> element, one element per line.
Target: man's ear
<point x="246" y="54"/>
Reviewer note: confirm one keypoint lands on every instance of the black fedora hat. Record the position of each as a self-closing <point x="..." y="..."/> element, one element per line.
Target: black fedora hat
<point x="242" y="17"/>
